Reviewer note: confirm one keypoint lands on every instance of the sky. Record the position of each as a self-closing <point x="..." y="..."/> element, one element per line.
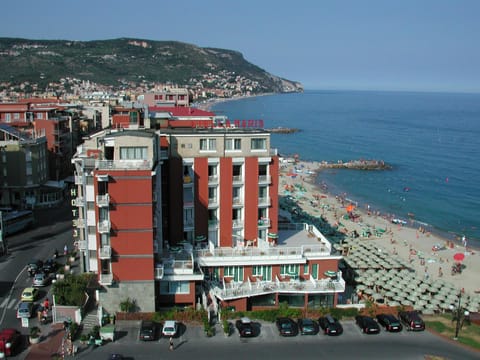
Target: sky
<point x="417" y="45"/>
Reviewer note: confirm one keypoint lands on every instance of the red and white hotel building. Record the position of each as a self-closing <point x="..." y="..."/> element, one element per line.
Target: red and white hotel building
<point x="188" y="214"/>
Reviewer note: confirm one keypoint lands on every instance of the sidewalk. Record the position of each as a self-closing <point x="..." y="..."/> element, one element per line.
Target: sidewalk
<point x="49" y="346"/>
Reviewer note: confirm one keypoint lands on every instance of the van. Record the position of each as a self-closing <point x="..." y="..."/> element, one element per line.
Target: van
<point x="412" y="320"/>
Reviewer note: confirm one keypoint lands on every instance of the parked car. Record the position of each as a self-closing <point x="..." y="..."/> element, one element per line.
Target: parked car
<point x="412" y="320"/>
<point x="40" y="279"/>
<point x="29" y="294"/>
<point x="389" y="322"/>
<point x="10" y="341"/>
<point x="115" y="357"/>
<point x="24" y="310"/>
<point x="286" y="327"/>
<point x="49" y="266"/>
<point x="147" y="331"/>
<point x="367" y="324"/>
<point x="169" y="328"/>
<point x="245" y="327"/>
<point x="33" y="266"/>
<point x="330" y="325"/>
<point x="307" y="326"/>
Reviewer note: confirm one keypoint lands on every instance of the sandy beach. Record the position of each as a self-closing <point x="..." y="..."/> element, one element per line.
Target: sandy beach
<point x="429" y="256"/>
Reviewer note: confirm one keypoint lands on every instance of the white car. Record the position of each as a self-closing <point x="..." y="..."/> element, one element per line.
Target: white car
<point x="169" y="328"/>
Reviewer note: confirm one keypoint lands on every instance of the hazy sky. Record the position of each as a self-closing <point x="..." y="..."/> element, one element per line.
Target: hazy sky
<point x="325" y="44"/>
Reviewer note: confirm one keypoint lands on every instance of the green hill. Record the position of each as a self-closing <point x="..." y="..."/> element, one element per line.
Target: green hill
<point x="132" y="61"/>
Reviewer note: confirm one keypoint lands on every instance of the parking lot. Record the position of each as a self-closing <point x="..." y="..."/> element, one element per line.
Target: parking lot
<point x="127" y="332"/>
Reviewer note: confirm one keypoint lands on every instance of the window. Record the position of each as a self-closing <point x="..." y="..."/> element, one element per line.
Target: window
<point x="208" y="144"/>
<point x="8" y="118"/>
<point x="233" y="144"/>
<point x="292" y="270"/>
<point x="212" y="194"/>
<point x="39" y="115"/>
<point x="233" y="271"/>
<point x="265" y="271"/>
<point x="133" y="153"/>
<point x="315" y="271"/>
<point x="16" y="116"/>
<point x="259" y="144"/>
<point x="174" y="287"/>
<point x="305" y="269"/>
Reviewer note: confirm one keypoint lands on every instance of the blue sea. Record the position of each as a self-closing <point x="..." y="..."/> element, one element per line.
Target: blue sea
<point x="432" y="141"/>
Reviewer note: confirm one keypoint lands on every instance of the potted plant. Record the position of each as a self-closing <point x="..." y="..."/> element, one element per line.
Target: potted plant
<point x="72" y="257"/>
<point x="60" y="273"/>
<point x="34" y="335"/>
<point x="226" y="327"/>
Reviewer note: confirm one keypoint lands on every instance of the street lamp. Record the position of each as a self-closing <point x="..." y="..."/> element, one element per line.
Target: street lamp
<point x="458" y="315"/>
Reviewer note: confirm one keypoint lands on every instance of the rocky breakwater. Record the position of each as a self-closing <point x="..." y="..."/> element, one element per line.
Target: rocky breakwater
<point x="356" y="165"/>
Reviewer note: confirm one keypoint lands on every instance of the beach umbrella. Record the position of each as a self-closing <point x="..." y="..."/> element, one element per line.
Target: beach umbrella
<point x="398" y="297"/>
<point x="368" y="291"/>
<point x="458" y="257"/>
<point x="390" y="294"/>
<point x="406" y="302"/>
<point x="200" y="238"/>
<point x="412" y="297"/>
<point x="393" y="303"/>
<point x="330" y="273"/>
<point x="361" y="287"/>
<point x="377" y="296"/>
<point x="427" y="311"/>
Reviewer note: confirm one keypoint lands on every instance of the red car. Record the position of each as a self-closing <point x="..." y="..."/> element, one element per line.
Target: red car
<point x="10" y="340"/>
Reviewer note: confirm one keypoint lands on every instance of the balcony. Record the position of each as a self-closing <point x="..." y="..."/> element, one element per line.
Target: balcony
<point x="212" y="224"/>
<point x="264" y="201"/>
<point x="105" y="252"/>
<point x="237" y="201"/>
<point x="103" y="200"/>
<point x="106" y="279"/>
<point x="260" y="256"/>
<point x="264" y="223"/>
<point x="103" y="226"/>
<point x="82" y="245"/>
<point x="78" y="180"/>
<point x="237" y="179"/>
<point x="178" y="267"/>
<point x="213" y="179"/>
<point x="213" y="202"/>
<point x="237" y="223"/>
<point x="124" y="164"/>
<point x="264" y="179"/>
<point x="235" y="290"/>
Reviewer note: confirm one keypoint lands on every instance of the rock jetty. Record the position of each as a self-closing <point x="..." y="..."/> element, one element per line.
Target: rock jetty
<point x="356" y="165"/>
<point x="283" y="130"/>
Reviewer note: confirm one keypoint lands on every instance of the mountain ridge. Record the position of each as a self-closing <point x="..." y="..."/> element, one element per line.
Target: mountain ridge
<point x="116" y="62"/>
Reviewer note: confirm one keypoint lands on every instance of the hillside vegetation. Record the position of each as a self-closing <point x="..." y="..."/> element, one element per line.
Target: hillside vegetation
<point x="126" y="61"/>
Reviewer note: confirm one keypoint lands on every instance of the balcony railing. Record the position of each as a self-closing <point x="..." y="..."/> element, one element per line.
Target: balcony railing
<point x="105" y="252"/>
<point x="106" y="279"/>
<point x="213" y="201"/>
<point x="123" y="164"/>
<point x="78" y="202"/>
<point x="242" y="289"/>
<point x="212" y="224"/>
<point x="264" y="201"/>
<point x="79" y="223"/>
<point x="237" y="223"/>
<point x="237" y="201"/>
<point x="78" y="180"/>
<point x="178" y="267"/>
<point x="205" y="257"/>
<point x="264" y="222"/>
<point x="103" y="226"/>
<point x="237" y="179"/>
<point x="213" y="179"/>
<point x="264" y="179"/>
<point x="103" y="200"/>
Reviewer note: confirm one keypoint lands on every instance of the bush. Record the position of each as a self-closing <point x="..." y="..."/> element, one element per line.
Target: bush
<point x="35" y="332"/>
<point x="128" y="305"/>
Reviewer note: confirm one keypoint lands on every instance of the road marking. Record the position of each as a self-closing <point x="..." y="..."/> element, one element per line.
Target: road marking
<point x="4" y="303"/>
<point x="12" y="303"/>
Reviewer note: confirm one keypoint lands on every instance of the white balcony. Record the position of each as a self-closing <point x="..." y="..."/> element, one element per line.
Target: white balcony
<point x="264" y="179"/>
<point x="237" y="201"/>
<point x="238" y="223"/>
<point x="106" y="279"/>
<point x="103" y="200"/>
<point x="264" y="201"/>
<point x="103" y="226"/>
<point x="237" y="179"/>
<point x="79" y="223"/>
<point x="105" y="252"/>
<point x="78" y="180"/>
<point x="213" y="179"/>
<point x="235" y="290"/>
<point x="212" y="202"/>
<point x="212" y="224"/>
<point x="264" y="223"/>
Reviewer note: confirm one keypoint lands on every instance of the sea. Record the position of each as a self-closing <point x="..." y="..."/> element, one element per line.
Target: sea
<point x="431" y="141"/>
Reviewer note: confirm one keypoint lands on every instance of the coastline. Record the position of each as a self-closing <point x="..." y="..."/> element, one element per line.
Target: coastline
<point x="399" y="240"/>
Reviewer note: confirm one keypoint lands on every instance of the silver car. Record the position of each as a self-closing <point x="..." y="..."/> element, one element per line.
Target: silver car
<point x="24" y="310"/>
<point x="40" y="279"/>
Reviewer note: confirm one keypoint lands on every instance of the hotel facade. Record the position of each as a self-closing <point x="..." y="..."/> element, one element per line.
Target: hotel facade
<point x="186" y="214"/>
